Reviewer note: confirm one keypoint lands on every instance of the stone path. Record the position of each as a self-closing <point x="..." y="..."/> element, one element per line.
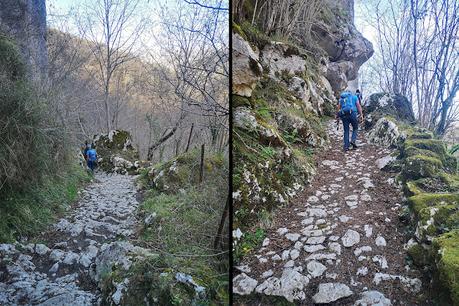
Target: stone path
<point x="64" y="269"/>
<point x="340" y="242"/>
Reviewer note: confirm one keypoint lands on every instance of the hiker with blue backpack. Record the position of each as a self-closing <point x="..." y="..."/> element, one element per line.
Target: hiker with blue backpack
<point x="91" y="157"/>
<point x="348" y="107"/>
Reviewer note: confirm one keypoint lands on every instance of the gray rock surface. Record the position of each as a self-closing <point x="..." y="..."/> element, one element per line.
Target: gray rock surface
<point x="330" y="292"/>
<point x="350" y="238"/>
<point x="83" y="250"/>
<point x="246" y="68"/>
<point x="372" y="298"/>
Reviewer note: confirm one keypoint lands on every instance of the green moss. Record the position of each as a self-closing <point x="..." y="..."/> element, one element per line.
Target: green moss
<point x="419" y="255"/>
<point x="434" y="145"/>
<point x="237" y="29"/>
<point x="419" y="166"/>
<point x="446" y="250"/>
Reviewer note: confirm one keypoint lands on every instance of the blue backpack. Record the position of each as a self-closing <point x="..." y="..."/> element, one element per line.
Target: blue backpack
<point x="92" y="155"/>
<point x="347" y="103"/>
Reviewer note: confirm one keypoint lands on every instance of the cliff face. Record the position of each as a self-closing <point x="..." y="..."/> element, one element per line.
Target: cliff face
<point x="25" y="21"/>
<point x="282" y="91"/>
<point x="346" y="48"/>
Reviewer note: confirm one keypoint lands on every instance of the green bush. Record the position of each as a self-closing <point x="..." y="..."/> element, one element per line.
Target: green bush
<point x="37" y="174"/>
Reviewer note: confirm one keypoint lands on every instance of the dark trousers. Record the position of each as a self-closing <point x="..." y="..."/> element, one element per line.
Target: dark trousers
<point x="91" y="165"/>
<point x="350" y="120"/>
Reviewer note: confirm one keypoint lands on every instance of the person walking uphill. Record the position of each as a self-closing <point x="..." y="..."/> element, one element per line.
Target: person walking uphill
<point x="348" y="107"/>
<point x="91" y="157"/>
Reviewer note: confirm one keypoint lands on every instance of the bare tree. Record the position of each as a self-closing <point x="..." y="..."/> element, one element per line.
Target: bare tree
<point x="417" y="56"/>
<point x="194" y="61"/>
<point x="113" y="31"/>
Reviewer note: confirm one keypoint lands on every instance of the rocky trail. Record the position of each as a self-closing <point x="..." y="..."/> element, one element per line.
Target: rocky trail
<point x="73" y="254"/>
<point x="341" y="241"/>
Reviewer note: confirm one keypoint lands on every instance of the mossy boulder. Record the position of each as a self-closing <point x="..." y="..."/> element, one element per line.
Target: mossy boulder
<point x="433" y="148"/>
<point x="446" y="252"/>
<point x="380" y="105"/>
<point x="116" y="152"/>
<point x="435" y="214"/>
<point x="419" y="166"/>
<point x="386" y="133"/>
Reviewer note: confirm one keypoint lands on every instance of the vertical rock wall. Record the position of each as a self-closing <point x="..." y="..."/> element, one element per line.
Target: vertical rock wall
<point x="25" y="21"/>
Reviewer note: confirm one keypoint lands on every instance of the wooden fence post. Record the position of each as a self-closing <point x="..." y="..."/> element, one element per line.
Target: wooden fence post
<point x="201" y="170"/>
<point x="189" y="137"/>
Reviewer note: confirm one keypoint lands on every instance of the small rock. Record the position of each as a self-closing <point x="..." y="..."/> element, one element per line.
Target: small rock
<point x="362" y="271"/>
<point x="267" y="273"/>
<point x="56" y="255"/>
<point x="313" y="248"/>
<point x="344" y="218"/>
<point x="243" y="284"/>
<point x="381" y="260"/>
<point x="266" y="242"/>
<point x="364" y="248"/>
<point x="350" y="238"/>
<point x="41" y="249"/>
<point x="281" y="231"/>
<point x="315" y="240"/>
<point x="380" y="241"/>
<point x="368" y="230"/>
<point x="54" y="268"/>
<point x="294" y="254"/>
<point x="372" y="298"/>
<point x="315" y="268"/>
<point x="330" y="292"/>
<point x="292" y="236"/>
<point x="335" y="247"/>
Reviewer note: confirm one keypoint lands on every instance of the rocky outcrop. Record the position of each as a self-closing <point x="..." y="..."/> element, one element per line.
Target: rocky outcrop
<point x="246" y="67"/>
<point x="380" y="105"/>
<point x="345" y="47"/>
<point x="428" y="174"/>
<point x="25" y="21"/>
<point x="116" y="153"/>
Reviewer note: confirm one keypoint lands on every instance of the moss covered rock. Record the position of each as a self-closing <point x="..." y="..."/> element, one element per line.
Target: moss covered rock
<point x="419" y="166"/>
<point x="446" y="251"/>
<point x="116" y="152"/>
<point x="380" y="105"/>
<point x="435" y="214"/>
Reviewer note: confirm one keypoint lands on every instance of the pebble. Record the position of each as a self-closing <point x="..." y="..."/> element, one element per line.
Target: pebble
<point x="380" y="241"/>
<point x="350" y="238"/>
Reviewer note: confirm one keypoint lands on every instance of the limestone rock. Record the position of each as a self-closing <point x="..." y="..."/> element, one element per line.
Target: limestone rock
<point x="330" y="292"/>
<point x="315" y="268"/>
<point x="372" y="298"/>
<point x="350" y="238"/>
<point x="385" y="132"/>
<point x="244" y="284"/>
<point x="246" y="67"/>
<point x="282" y="58"/>
<point x="290" y="285"/>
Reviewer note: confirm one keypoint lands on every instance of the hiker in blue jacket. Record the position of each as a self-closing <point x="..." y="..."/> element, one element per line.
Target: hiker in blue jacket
<point x="92" y="157"/>
<point x="348" y="107"/>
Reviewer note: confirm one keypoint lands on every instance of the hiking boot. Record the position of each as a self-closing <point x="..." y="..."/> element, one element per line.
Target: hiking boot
<point x="354" y="146"/>
<point x="346" y="149"/>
